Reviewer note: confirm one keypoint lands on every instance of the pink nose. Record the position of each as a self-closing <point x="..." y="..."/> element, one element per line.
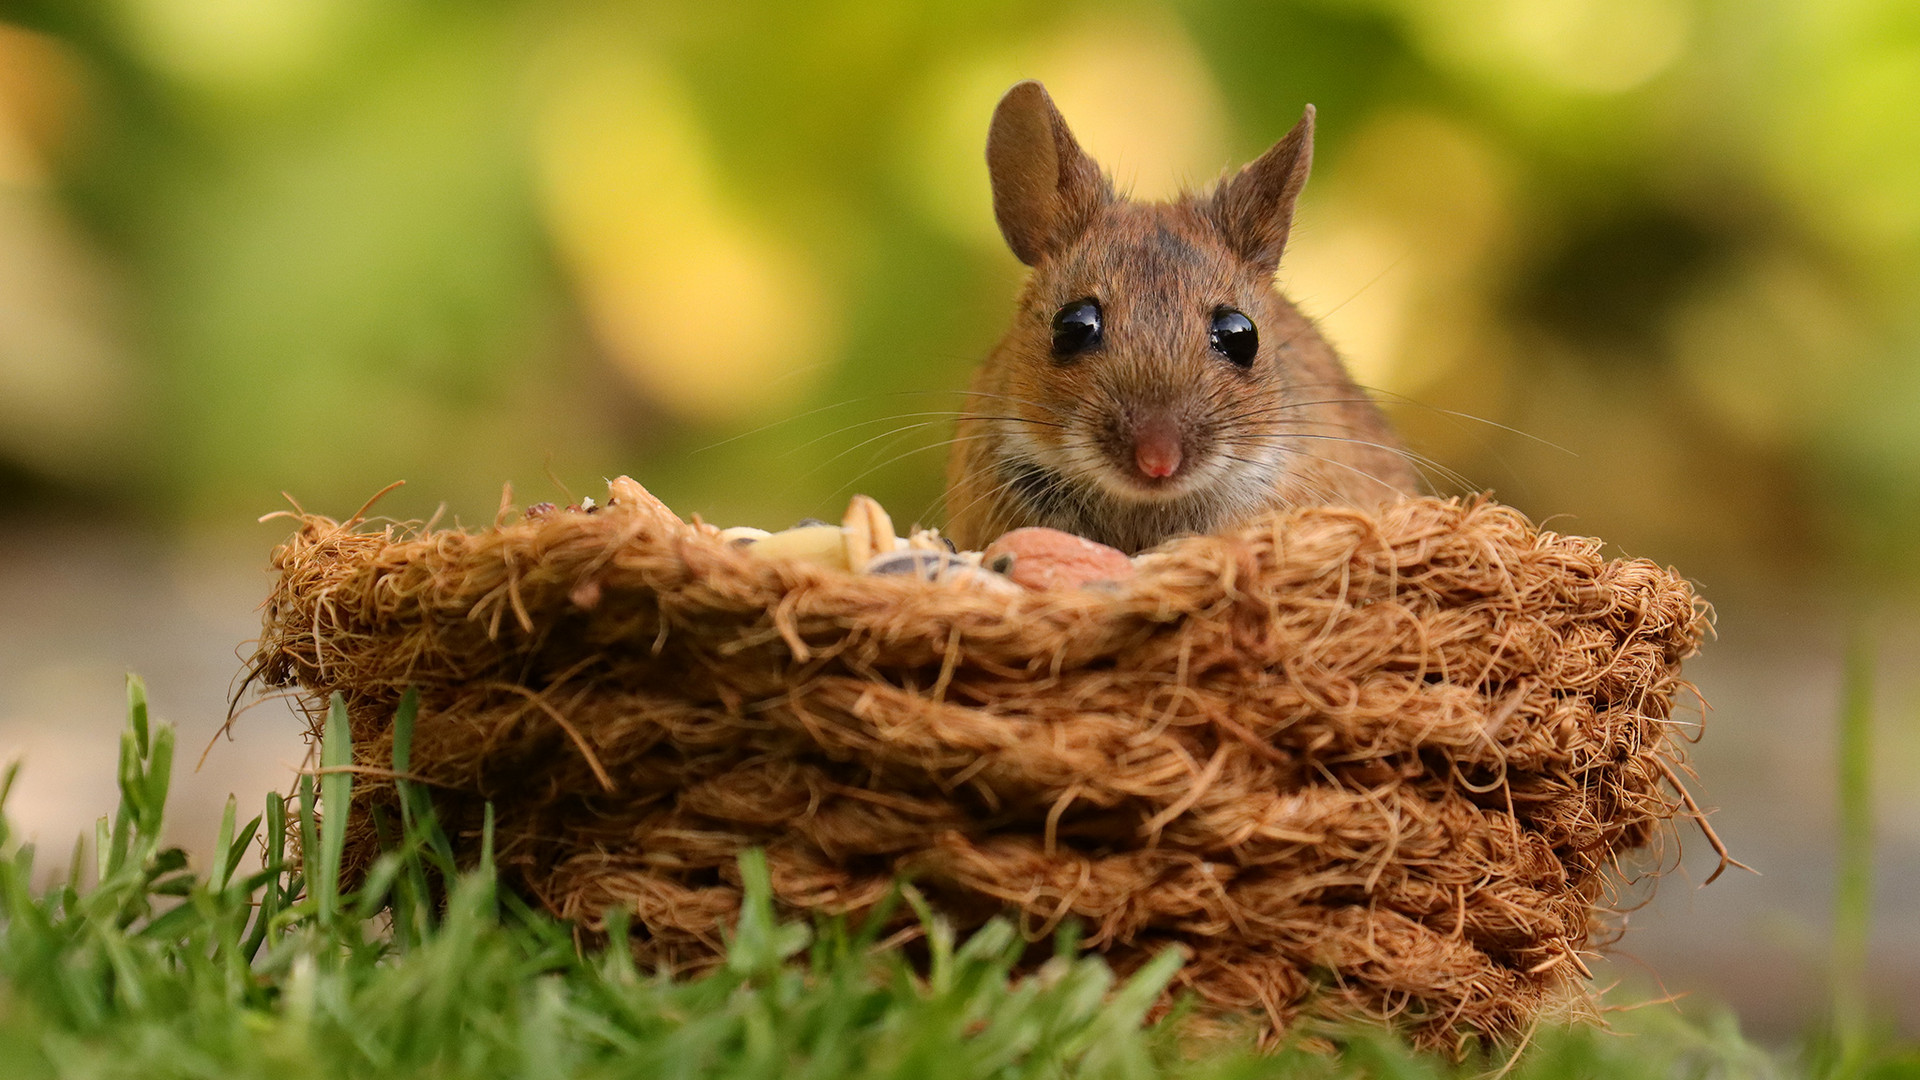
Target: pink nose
<point x="1156" y="447"/>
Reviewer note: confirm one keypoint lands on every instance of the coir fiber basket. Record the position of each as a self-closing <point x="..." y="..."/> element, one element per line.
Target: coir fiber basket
<point x="1377" y="766"/>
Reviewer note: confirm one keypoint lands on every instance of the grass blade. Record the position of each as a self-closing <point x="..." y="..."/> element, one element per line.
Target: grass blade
<point x="309" y="834"/>
<point x="158" y="778"/>
<point x="131" y="792"/>
<point x="272" y="887"/>
<point x="336" y="788"/>
<point x="238" y="850"/>
<point x="137" y="712"/>
<point x="223" y="845"/>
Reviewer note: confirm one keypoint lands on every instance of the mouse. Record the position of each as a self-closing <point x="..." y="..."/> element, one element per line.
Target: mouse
<point x="1154" y="382"/>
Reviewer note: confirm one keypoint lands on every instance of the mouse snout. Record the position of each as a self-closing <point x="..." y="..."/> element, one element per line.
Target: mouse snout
<point x="1157" y="439"/>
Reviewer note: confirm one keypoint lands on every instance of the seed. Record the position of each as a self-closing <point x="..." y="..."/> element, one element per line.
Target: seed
<point x="626" y="493"/>
<point x="938" y="566"/>
<point x="1050" y="559"/>
<point x="869" y="531"/>
<point x="822" y="544"/>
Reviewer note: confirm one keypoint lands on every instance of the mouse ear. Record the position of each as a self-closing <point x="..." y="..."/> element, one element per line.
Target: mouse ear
<point x="1045" y="188"/>
<point x="1254" y="207"/>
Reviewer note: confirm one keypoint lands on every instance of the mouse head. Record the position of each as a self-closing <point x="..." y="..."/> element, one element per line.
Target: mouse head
<point x="1148" y="357"/>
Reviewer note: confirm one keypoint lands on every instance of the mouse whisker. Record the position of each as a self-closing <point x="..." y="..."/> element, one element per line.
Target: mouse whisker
<point x="1355" y="469"/>
<point x="895" y="434"/>
<point x="903" y="429"/>
<point x="945" y="413"/>
<point x="782" y="422"/>
<point x="927" y="511"/>
<point x="970" y="392"/>
<point x="1274" y="436"/>
<point x="1273" y="410"/>
<point x="1456" y="414"/>
<point x="869" y="399"/>
<point x="1416" y="459"/>
<point x="999" y="490"/>
<point x="1396" y="398"/>
<point x="1011" y="419"/>
<point x="1010" y="397"/>
<point x="877" y="466"/>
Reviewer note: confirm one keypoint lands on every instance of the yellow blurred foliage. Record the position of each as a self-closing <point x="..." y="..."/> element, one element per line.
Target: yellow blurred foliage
<point x="1771" y="350"/>
<point x="1578" y="46"/>
<point x="1396" y="246"/>
<point x="241" y="46"/>
<point x="40" y="97"/>
<point x="1133" y="86"/>
<point x="64" y="379"/>
<point x="709" y="312"/>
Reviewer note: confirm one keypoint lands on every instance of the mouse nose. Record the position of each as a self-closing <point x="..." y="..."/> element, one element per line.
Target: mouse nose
<point x="1156" y="447"/>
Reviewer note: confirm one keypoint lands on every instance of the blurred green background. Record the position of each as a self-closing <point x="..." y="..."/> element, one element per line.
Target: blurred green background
<point x="744" y="251"/>
<point x="317" y="245"/>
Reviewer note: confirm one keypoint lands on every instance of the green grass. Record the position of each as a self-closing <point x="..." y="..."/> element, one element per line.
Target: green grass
<point x="161" y="969"/>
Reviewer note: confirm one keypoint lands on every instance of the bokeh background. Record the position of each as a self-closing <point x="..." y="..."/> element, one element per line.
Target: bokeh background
<point x="1647" y="268"/>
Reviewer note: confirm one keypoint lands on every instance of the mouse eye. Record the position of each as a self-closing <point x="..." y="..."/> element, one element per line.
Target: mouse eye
<point x="1076" y="328"/>
<point x="1233" y="336"/>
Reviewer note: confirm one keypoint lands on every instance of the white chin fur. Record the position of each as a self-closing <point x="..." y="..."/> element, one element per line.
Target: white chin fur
<point x="1113" y="485"/>
<point x="1196" y="478"/>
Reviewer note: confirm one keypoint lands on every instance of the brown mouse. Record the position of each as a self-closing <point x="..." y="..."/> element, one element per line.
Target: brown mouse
<point x="1154" y="382"/>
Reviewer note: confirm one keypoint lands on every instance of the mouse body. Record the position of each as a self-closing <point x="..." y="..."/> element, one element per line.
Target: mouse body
<point x="1154" y="382"/>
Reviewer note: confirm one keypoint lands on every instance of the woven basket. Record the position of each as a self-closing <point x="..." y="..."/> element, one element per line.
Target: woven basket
<point x="1358" y="765"/>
